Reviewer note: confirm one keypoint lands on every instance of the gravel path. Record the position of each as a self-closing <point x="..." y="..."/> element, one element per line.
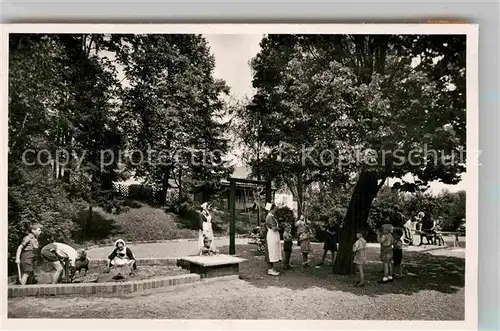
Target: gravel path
<point x="162" y="250"/>
<point x="238" y="299"/>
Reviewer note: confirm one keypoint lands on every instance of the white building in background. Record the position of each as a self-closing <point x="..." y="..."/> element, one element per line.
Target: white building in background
<point x="285" y="198"/>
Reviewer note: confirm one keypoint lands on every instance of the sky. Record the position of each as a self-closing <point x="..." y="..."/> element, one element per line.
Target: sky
<point x="232" y="55"/>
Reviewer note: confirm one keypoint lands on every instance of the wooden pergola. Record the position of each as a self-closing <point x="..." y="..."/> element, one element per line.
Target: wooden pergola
<point x="232" y="205"/>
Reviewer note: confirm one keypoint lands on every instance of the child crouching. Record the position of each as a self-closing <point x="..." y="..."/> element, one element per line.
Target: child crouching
<point x="207" y="247"/>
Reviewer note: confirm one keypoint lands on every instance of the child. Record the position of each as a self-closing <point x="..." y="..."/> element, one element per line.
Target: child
<point x="26" y="254"/>
<point x="436" y="229"/>
<point x="330" y="241"/>
<point x="304" y="239"/>
<point x="385" y="239"/>
<point x="207" y="249"/>
<point x="360" y="259"/>
<point x="397" y="253"/>
<point x="63" y="257"/>
<point x="287" y="246"/>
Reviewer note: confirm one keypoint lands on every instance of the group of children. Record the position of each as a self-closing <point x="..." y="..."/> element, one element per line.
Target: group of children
<point x="66" y="260"/>
<point x="63" y="258"/>
<point x="391" y="253"/>
<point x="304" y="236"/>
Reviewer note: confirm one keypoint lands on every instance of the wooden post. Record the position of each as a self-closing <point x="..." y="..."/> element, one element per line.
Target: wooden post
<point x="232" y="222"/>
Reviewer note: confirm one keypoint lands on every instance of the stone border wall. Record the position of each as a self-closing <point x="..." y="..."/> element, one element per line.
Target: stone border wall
<point x="100" y="288"/>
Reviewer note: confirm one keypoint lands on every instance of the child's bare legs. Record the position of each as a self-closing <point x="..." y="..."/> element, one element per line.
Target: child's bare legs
<point x="286" y="262"/>
<point x="361" y="275"/>
<point x="324" y="257"/>
<point x="24" y="278"/>
<point x="334" y="257"/>
<point x="398" y="270"/>
<point x="386" y="270"/>
<point x="304" y="258"/>
<point x="391" y="269"/>
<point x="58" y="273"/>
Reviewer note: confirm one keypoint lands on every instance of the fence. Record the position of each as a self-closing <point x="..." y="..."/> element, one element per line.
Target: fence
<point x="138" y="192"/>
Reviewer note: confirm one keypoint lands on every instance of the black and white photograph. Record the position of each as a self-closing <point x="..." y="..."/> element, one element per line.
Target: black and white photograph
<point x="242" y="172"/>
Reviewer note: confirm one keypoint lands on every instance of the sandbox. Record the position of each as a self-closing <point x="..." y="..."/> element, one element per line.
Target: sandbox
<point x="151" y="273"/>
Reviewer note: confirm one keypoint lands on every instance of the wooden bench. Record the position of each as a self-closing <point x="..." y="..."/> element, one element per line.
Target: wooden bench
<point x="441" y="233"/>
<point x="211" y="266"/>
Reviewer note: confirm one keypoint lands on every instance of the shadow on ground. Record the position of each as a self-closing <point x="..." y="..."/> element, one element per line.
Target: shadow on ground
<point x="423" y="272"/>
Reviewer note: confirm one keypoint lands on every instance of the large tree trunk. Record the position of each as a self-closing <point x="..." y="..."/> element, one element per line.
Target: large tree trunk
<point x="300" y="196"/>
<point x="365" y="191"/>
<point x="180" y="183"/>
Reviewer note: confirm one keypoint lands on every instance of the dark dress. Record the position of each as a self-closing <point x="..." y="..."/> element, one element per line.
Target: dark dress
<point x="331" y="240"/>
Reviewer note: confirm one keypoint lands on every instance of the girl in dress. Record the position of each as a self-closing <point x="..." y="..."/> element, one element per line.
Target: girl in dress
<point x="304" y="239"/>
<point x="386" y="240"/>
<point x="360" y="258"/>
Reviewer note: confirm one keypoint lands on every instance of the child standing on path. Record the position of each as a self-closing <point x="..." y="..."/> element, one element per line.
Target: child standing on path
<point x="304" y="239"/>
<point x="360" y="259"/>
<point x="287" y="245"/>
<point x="26" y="254"/>
<point x="330" y="241"/>
<point x="385" y="239"/>
<point x="397" y="253"/>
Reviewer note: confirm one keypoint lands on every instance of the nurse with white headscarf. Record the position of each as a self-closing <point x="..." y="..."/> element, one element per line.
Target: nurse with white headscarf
<point x="121" y="255"/>
<point x="206" y="229"/>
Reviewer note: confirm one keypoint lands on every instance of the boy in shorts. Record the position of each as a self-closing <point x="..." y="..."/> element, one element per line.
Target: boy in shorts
<point x="27" y="252"/>
<point x="331" y="240"/>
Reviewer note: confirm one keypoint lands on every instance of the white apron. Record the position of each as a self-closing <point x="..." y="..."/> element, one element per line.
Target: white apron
<point x="273" y="245"/>
<point x="206" y="231"/>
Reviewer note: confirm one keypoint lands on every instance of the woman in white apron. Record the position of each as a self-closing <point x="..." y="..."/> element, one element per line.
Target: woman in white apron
<point x="273" y="242"/>
<point x="206" y="227"/>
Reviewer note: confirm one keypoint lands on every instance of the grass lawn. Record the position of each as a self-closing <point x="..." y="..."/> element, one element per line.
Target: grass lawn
<point x="144" y="222"/>
<point x="433" y="289"/>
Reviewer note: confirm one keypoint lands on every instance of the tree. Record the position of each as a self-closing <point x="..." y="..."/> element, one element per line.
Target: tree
<point x="289" y="115"/>
<point x="365" y="101"/>
<point x="172" y="107"/>
<point x="61" y="101"/>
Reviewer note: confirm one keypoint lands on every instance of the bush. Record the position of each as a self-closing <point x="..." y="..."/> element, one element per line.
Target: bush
<point x="36" y="198"/>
